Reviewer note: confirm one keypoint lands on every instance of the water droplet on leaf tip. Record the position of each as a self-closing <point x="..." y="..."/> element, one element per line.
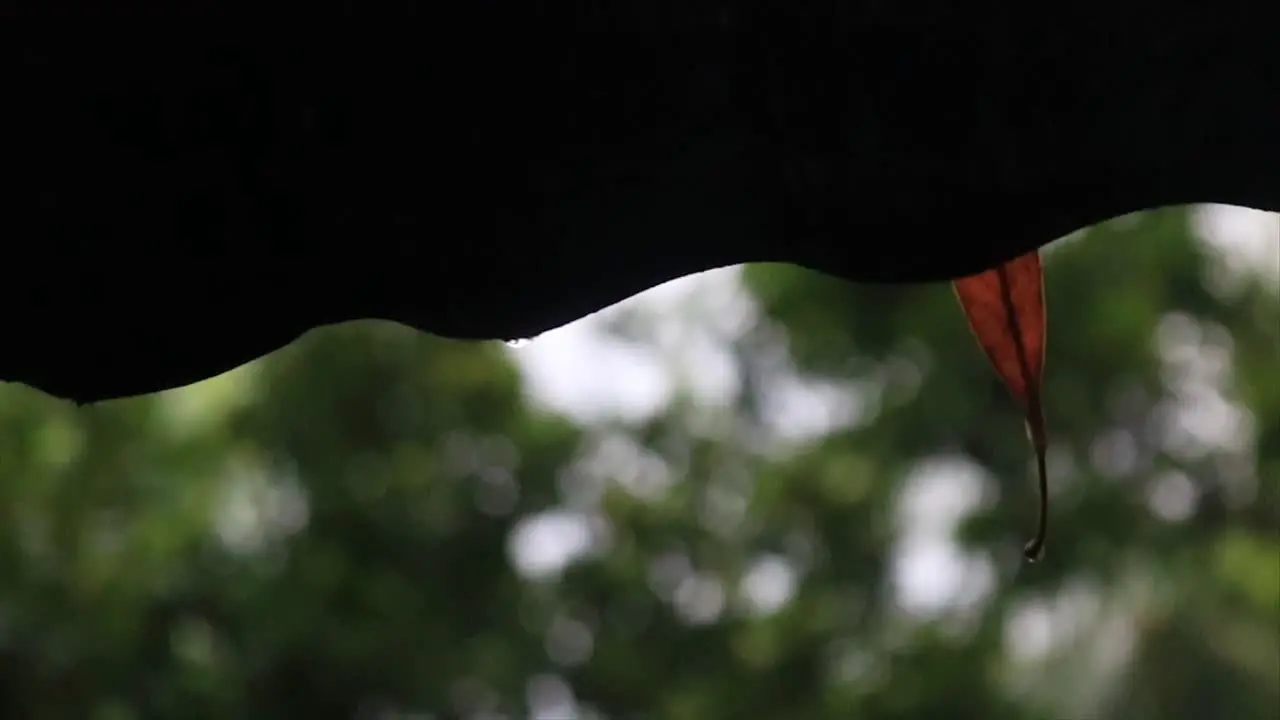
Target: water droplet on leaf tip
<point x="1033" y="553"/>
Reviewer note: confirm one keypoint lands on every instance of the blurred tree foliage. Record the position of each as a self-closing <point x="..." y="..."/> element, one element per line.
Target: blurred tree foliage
<point x="328" y="533"/>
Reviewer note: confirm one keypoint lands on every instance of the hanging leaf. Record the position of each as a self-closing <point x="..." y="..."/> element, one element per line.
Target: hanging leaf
<point x="1005" y="308"/>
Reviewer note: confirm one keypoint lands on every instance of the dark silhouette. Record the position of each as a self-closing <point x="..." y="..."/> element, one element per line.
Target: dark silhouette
<point x="494" y="170"/>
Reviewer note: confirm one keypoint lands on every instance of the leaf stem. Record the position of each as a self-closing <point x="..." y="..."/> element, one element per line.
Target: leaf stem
<point x="1034" y="549"/>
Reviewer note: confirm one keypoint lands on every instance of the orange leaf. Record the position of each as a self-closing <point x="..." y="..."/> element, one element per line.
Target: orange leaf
<point x="1005" y="308"/>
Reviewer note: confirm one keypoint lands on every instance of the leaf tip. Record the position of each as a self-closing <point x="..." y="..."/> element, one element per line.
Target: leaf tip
<point x="1034" y="550"/>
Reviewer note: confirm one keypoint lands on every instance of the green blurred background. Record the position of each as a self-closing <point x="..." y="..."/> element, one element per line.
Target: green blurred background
<point x="757" y="493"/>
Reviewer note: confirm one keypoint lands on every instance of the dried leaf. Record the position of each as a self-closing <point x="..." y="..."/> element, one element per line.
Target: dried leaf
<point x="1005" y="308"/>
